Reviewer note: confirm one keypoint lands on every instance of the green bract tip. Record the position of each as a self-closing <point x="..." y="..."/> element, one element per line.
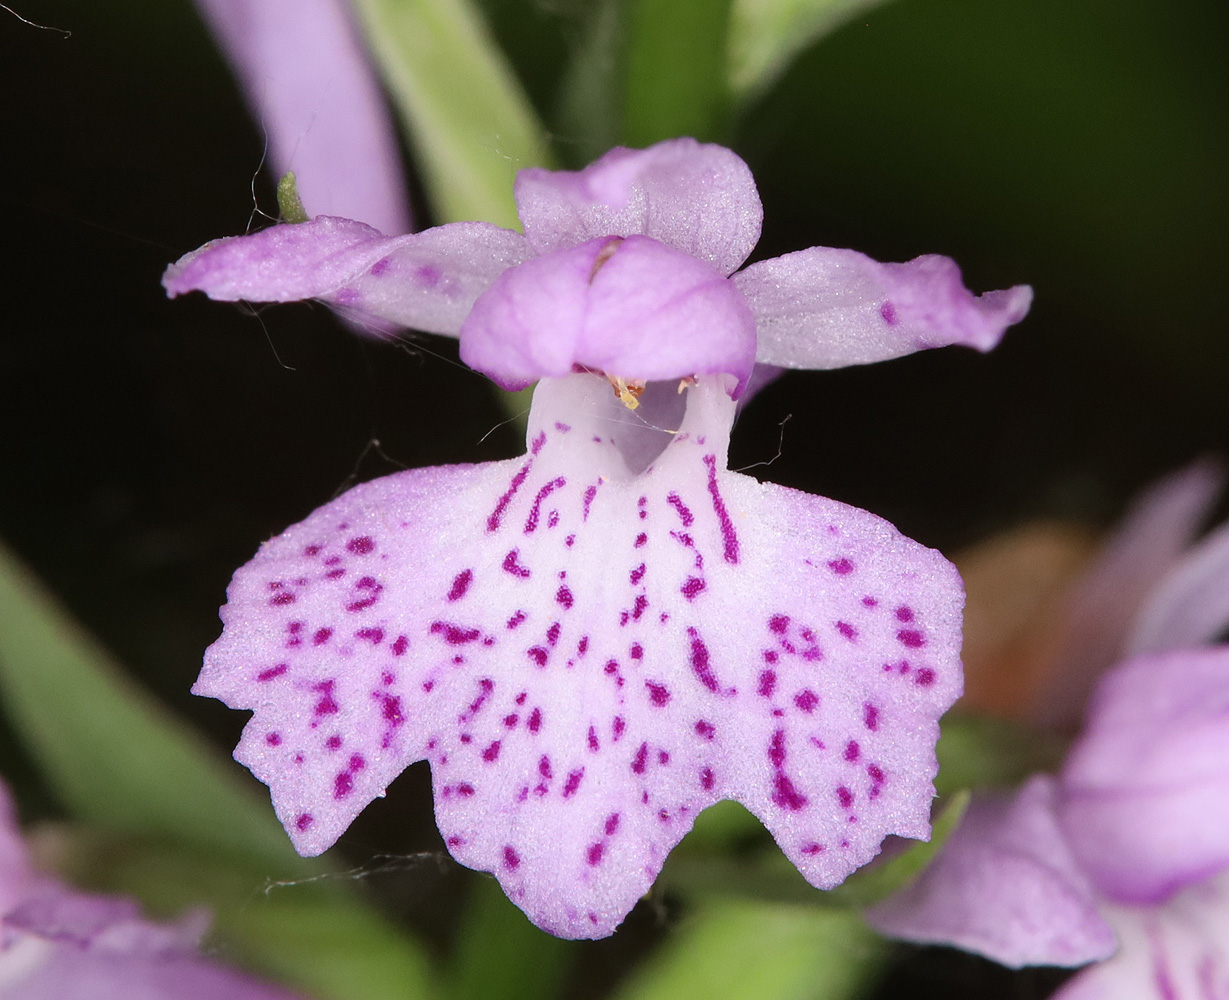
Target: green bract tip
<point x="288" y="201"/>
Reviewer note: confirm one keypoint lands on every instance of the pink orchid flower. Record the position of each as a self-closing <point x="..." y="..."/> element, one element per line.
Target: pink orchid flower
<point x="594" y="642"/>
<point x="1123" y="858"/>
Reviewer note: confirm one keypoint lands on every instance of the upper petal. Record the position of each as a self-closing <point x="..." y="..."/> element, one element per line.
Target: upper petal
<point x="428" y="280"/>
<point x="1145" y="792"/>
<point x="589" y="657"/>
<point x="1177" y="950"/>
<point x="629" y="307"/>
<point x="692" y="196"/>
<point x="315" y="96"/>
<point x="827" y="308"/>
<point x="1004" y="886"/>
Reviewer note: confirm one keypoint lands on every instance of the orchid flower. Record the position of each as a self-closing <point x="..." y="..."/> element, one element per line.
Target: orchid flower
<point x="1123" y="858"/>
<point x="60" y="944"/>
<point x="594" y="642"/>
<point x="308" y="79"/>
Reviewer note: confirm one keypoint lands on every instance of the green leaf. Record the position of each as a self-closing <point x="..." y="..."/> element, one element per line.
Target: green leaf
<point x="112" y="755"/>
<point x="676" y="70"/>
<point x="756" y="951"/>
<point x="592" y="93"/>
<point x="468" y="118"/>
<point x="770" y="876"/>
<point x="977" y="752"/>
<point x="313" y="934"/>
<point x="499" y="953"/>
<point x="766" y="35"/>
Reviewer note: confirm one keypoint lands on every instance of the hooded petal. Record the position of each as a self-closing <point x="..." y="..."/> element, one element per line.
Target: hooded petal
<point x="1175" y="951"/>
<point x="695" y="197"/>
<point x="1107" y="599"/>
<point x="428" y="280"/>
<point x="629" y="307"/>
<point x="1145" y="792"/>
<point x="1190" y="606"/>
<point x="825" y="308"/>
<point x="310" y="86"/>
<point x="1004" y="886"/>
<point x="589" y="656"/>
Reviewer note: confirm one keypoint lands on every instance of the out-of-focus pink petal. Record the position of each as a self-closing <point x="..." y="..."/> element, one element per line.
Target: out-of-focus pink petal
<point x="698" y="198"/>
<point x="428" y="280"/>
<point x="590" y="654"/>
<point x="1004" y="886"/>
<point x="1190" y="606"/>
<point x="1172" y="952"/>
<point x="1102" y="606"/>
<point x="629" y="307"/>
<point x="16" y="876"/>
<point x="1145" y="792"/>
<point x="826" y="308"/>
<point x="312" y="89"/>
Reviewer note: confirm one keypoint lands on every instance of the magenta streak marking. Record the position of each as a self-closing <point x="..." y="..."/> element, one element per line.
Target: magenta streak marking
<point x="636" y="575"/>
<point x="322" y="636"/>
<point x="692" y="588"/>
<point x="563" y="597"/>
<point x="539" y="655"/>
<point x="699" y="661"/>
<point x="374" y="588"/>
<point x="268" y="675"/>
<point x="852" y="751"/>
<point x="728" y="535"/>
<point x="511" y="565"/>
<point x="641" y="539"/>
<point x="594" y="857"/>
<point x="492" y="522"/>
<point x="844" y="796"/>
<point x="785" y="794"/>
<point x="639" y="606"/>
<point x="460" y="584"/>
<point x="594" y="745"/>
<point x="870" y="716"/>
<point x="612" y="824"/>
<point x="640" y="761"/>
<point x="327" y="705"/>
<point x="535" y="720"/>
<point x="685" y="515"/>
<point x="659" y="694"/>
<point x="590" y="493"/>
<point x="375" y="636"/>
<point x="911" y="638"/>
<point x="573" y="782"/>
<point x="617" y="728"/>
<point x="491" y="753"/>
<point x="455" y="635"/>
<point x="531" y="522"/>
<point x="538" y="442"/>
<point x="707" y="779"/>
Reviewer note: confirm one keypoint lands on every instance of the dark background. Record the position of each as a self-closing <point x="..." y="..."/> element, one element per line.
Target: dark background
<point x="147" y="446"/>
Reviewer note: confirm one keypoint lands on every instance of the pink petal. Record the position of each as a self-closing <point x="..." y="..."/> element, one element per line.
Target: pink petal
<point x="824" y="308"/>
<point x="428" y="280"/>
<point x="698" y="198"/>
<point x="589" y="656"/>
<point x="1100" y="611"/>
<point x="1004" y="886"/>
<point x="16" y="875"/>
<point x="1190" y="606"/>
<point x="313" y="92"/>
<point x="1145" y="792"/>
<point x="1175" y="951"/>
<point x="628" y="307"/>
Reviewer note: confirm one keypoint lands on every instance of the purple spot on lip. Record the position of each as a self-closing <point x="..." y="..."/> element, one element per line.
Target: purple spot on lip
<point x="692" y="587"/>
<point x="844" y="796"/>
<point x="455" y="635"/>
<point x="273" y="739"/>
<point x="641" y="539"/>
<point x="590" y="493"/>
<point x="870" y="716"/>
<point x="563" y="597"/>
<point x="639" y="762"/>
<point x="768" y="683"/>
<point x="778" y="624"/>
<point x="380" y="266"/>
<point x="460" y="584"/>
<point x="322" y="636"/>
<point x="888" y="312"/>
<point x="491" y="753"/>
<point x="636" y="652"/>
<point x="924" y="677"/>
<point x="852" y="751"/>
<point x="806" y="700"/>
<point x="512" y="860"/>
<point x="659" y="694"/>
<point x="911" y="638"/>
<point x="362" y="545"/>
<point x="539" y="655"/>
<point x="699" y="661"/>
<point x="303" y="821"/>
<point x="705" y="729"/>
<point x="612" y="824"/>
<point x="268" y="675"/>
<point x="283" y="597"/>
<point x="636" y="575"/>
<point x="785" y="794"/>
<point x="594" y="856"/>
<point x="375" y="636"/>
<point x="343" y="785"/>
<point x="847" y="630"/>
<point x="535" y="720"/>
<point x="400" y="646"/>
<point x="776" y="749"/>
<point x="841" y="567"/>
<point x="535" y="512"/>
<point x="573" y="782"/>
<point x="685" y="515"/>
<point x="707" y="779"/>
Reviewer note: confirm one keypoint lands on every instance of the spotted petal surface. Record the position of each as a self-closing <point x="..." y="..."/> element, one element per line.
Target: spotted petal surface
<point x="828" y="308"/>
<point x="428" y="280"/>
<point x="589" y="656"/>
